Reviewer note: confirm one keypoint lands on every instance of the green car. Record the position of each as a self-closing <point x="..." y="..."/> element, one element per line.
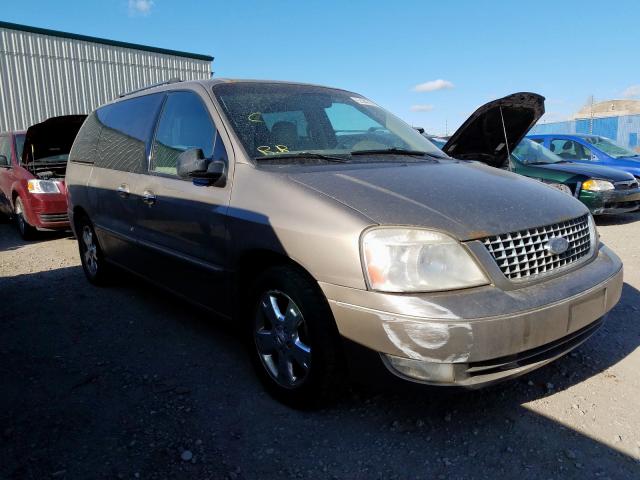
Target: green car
<point x="486" y="133"/>
<point x="602" y="189"/>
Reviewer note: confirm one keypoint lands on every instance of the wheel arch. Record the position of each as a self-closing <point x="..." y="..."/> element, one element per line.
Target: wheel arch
<point x="252" y="263"/>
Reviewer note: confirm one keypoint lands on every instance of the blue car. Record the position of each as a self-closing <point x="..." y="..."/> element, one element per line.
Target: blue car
<point x="591" y="149"/>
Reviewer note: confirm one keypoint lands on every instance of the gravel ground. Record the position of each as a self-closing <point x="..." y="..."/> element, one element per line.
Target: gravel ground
<point x="127" y="382"/>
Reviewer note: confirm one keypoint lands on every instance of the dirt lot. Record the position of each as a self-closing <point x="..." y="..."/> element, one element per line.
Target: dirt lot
<point x="127" y="382"/>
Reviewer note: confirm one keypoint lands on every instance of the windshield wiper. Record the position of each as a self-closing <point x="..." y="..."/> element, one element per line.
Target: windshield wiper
<point x="397" y="151"/>
<point x="321" y="156"/>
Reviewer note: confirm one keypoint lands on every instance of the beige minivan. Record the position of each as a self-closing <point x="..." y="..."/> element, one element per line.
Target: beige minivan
<point x="341" y="239"/>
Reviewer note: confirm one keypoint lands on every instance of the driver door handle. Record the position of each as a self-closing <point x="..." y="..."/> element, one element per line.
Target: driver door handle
<point x="123" y="190"/>
<point x="148" y="197"/>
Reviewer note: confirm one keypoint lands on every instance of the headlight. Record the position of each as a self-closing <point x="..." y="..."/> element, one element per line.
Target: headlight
<point x="594" y="185"/>
<point x="593" y="235"/>
<point x="43" y="186"/>
<point x="414" y="260"/>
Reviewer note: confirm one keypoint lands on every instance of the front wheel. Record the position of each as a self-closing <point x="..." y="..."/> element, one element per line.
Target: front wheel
<point x="294" y="340"/>
<point x="93" y="262"/>
<point x="26" y="231"/>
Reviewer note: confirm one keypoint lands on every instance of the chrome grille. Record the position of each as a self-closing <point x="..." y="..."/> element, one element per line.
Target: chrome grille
<point x="525" y="253"/>
<point x="626" y="185"/>
<point x="54" y="217"/>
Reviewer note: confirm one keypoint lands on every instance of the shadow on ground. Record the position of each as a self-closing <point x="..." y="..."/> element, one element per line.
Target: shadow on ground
<point x="622" y="219"/>
<point x="110" y="382"/>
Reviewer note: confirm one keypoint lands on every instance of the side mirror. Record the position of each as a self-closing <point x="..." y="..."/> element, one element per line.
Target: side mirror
<point x="192" y="164"/>
<point x="4" y="161"/>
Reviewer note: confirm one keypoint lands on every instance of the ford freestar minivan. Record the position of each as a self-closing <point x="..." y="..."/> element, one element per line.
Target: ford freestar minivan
<point x="340" y="237"/>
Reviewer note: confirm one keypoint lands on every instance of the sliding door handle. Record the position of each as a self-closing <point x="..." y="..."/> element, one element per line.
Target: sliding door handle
<point x="148" y="197"/>
<point x="123" y="190"/>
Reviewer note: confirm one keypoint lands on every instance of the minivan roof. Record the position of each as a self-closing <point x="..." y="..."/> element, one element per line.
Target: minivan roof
<point x="209" y="83"/>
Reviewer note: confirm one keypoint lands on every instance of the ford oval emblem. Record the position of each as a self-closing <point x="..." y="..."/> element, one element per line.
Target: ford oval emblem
<point x="558" y="245"/>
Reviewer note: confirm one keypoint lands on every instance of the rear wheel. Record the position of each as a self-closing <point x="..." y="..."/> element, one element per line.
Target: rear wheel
<point x="26" y="231"/>
<point x="94" y="265"/>
<point x="294" y="341"/>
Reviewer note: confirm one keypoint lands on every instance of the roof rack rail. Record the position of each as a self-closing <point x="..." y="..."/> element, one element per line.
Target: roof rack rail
<point x="166" y="82"/>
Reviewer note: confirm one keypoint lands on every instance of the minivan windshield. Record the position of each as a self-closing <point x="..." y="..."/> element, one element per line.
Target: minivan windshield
<point x="289" y="120"/>
<point x="610" y="148"/>
<point x="529" y="152"/>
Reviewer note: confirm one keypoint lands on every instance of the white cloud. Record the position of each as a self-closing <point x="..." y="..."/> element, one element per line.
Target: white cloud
<point x="140" y="7"/>
<point x="632" y="91"/>
<point x="421" y="108"/>
<point x="433" y="85"/>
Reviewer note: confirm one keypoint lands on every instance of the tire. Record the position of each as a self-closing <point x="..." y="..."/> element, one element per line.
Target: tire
<point x="94" y="265"/>
<point x="293" y="341"/>
<point x="26" y="231"/>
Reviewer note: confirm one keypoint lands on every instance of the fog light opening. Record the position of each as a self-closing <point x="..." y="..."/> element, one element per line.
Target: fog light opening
<point x="422" y="370"/>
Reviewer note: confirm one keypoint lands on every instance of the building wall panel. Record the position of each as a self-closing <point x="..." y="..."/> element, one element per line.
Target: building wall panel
<point x="42" y="76"/>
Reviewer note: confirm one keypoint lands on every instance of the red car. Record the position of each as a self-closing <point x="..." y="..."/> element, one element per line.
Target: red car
<point x="32" y="170"/>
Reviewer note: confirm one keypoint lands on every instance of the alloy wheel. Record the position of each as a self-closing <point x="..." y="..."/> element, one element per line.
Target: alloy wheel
<point x="90" y="253"/>
<point x="281" y="339"/>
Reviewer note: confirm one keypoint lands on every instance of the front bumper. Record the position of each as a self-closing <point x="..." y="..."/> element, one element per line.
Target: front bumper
<point x="484" y="334"/>
<point x="47" y="211"/>
<point x="611" y="202"/>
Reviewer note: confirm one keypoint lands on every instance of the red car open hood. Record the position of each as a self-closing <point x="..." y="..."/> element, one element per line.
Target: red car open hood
<point x="52" y="137"/>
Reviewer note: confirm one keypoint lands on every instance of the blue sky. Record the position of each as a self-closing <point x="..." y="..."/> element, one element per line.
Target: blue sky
<point x="465" y="52"/>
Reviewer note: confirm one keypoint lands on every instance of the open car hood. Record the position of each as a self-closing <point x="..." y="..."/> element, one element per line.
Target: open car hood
<point x="482" y="136"/>
<point x="52" y="137"/>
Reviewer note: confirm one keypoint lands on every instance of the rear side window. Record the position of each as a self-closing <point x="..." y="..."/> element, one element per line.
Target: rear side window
<point x="185" y="124"/>
<point x="125" y="128"/>
<point x="85" y="146"/>
<point x="570" y="149"/>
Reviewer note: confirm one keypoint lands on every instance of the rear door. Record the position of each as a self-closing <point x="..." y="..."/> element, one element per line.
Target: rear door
<point x="121" y="162"/>
<point x="182" y="225"/>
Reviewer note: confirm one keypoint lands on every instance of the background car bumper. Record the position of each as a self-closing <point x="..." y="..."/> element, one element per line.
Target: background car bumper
<point x="47" y="211"/>
<point x="611" y="202"/>
<point x="485" y="334"/>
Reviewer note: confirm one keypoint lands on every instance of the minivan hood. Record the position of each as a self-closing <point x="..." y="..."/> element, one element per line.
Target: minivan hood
<point x="467" y="199"/>
<point x="54" y="136"/>
<point x="482" y="136"/>
<point x="591" y="171"/>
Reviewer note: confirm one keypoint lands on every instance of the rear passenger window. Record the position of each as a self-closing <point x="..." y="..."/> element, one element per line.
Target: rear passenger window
<point x="85" y="146"/>
<point x="126" y="127"/>
<point x="570" y="149"/>
<point x="184" y="124"/>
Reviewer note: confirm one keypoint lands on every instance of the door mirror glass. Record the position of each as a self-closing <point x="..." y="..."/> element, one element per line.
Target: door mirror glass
<point x="4" y="161"/>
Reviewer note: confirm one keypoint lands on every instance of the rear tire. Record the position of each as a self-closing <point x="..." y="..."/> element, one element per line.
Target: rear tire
<point x="293" y="339"/>
<point x="26" y="231"/>
<point x="94" y="265"/>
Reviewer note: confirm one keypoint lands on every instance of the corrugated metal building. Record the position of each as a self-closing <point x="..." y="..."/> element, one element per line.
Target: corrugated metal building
<point x="624" y="129"/>
<point x="46" y="73"/>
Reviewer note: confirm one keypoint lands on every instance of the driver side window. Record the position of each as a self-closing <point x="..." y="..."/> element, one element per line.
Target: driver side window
<point x="184" y="124"/>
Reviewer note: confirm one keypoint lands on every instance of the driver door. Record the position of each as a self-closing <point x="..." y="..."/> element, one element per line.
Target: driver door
<point x="182" y="226"/>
